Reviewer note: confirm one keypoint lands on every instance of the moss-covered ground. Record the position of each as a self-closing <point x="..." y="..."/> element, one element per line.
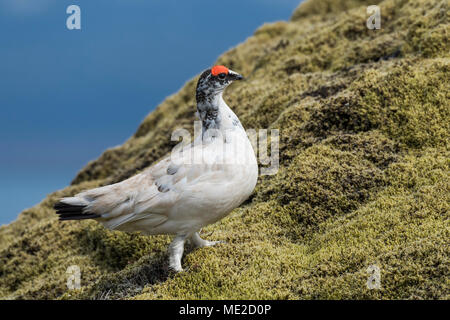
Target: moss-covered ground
<point x="364" y="178"/>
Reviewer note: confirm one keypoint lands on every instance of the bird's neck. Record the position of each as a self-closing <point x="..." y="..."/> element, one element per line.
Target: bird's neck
<point x="215" y="113"/>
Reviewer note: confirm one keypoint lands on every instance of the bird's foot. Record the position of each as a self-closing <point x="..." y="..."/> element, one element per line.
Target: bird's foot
<point x="176" y="268"/>
<point x="176" y="249"/>
<point x="207" y="243"/>
<point x="201" y="243"/>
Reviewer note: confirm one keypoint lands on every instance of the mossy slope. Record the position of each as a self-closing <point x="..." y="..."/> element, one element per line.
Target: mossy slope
<point x="364" y="174"/>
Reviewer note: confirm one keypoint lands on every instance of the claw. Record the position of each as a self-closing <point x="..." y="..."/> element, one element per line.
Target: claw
<point x="200" y="243"/>
<point x="213" y="243"/>
<point x="176" y="269"/>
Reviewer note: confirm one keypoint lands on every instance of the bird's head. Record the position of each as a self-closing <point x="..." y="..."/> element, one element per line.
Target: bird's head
<point x="214" y="81"/>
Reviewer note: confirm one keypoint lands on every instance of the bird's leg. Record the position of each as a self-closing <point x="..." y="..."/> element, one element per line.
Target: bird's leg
<point x="176" y="249"/>
<point x="199" y="242"/>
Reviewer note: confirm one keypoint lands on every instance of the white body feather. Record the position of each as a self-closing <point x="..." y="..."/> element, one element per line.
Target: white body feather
<point x="186" y="197"/>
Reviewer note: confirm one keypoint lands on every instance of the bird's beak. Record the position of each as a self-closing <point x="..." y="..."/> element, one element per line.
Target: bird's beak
<point x="235" y="76"/>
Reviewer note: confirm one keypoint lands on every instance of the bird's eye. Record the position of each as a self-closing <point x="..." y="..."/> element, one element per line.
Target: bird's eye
<point x="222" y="76"/>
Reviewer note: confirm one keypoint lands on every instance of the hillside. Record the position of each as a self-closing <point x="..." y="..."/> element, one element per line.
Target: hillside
<point x="364" y="124"/>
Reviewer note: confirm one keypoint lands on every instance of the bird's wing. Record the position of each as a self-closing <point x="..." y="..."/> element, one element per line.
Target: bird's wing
<point x="149" y="195"/>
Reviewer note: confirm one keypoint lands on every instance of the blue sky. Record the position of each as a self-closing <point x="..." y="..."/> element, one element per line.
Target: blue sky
<point x="67" y="95"/>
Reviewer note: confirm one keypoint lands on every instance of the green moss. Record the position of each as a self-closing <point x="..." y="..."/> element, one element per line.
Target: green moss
<point x="321" y="183"/>
<point x="323" y="7"/>
<point x="364" y="174"/>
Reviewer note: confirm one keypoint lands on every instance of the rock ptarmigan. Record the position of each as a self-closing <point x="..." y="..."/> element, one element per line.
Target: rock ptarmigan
<point x="194" y="186"/>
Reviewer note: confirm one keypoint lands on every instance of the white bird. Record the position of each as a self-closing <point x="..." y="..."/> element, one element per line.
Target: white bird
<point x="195" y="186"/>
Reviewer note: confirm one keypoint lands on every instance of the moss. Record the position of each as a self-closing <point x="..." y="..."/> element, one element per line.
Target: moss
<point x="321" y="183"/>
<point x="363" y="180"/>
<point x="323" y="7"/>
<point x="403" y="231"/>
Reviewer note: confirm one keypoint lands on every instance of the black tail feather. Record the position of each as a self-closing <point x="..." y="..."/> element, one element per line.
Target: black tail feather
<point x="73" y="212"/>
<point x="64" y="217"/>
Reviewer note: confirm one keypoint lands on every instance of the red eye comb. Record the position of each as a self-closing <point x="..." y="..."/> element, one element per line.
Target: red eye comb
<point x="216" y="70"/>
